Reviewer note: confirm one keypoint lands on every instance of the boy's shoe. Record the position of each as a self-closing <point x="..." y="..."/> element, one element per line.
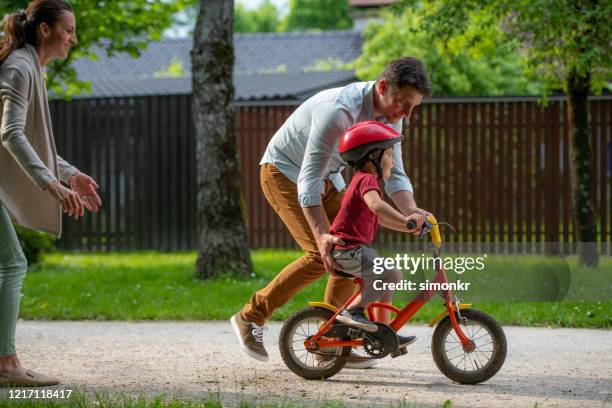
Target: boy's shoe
<point x="405" y="340"/>
<point x="250" y="337"/>
<point x="356" y="318"/>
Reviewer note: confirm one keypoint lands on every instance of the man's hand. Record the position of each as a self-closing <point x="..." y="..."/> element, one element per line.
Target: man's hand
<point x="421" y="211"/>
<point x="325" y="243"/>
<point x="319" y="225"/>
<point x="86" y="187"/>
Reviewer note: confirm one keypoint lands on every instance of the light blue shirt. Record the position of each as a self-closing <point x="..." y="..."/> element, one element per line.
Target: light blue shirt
<point x="305" y="148"/>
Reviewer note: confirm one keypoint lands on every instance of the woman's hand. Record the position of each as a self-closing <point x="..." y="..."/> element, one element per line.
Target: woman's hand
<point x="86" y="187"/>
<point x="69" y="200"/>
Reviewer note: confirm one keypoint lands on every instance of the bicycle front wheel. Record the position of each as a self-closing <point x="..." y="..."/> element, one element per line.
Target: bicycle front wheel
<point x="478" y="365"/>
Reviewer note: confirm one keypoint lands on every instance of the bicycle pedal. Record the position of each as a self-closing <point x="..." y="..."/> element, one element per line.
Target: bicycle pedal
<point x="400" y="352"/>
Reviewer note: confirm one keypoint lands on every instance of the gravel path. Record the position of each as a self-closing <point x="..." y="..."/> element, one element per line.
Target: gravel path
<point x="550" y="367"/>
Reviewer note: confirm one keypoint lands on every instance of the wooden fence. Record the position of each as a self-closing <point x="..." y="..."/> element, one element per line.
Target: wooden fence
<point x="496" y="168"/>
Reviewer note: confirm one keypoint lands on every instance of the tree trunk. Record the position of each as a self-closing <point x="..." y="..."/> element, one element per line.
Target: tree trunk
<point x="222" y="240"/>
<point x="584" y="217"/>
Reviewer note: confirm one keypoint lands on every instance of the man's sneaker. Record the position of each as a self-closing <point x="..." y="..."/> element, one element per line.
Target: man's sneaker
<point x="405" y="340"/>
<point x="250" y="337"/>
<point x="357" y="361"/>
<point x="356" y="318"/>
<point x="354" y="360"/>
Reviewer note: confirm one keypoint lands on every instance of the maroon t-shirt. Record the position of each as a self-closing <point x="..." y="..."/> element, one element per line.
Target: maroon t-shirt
<point x="355" y="223"/>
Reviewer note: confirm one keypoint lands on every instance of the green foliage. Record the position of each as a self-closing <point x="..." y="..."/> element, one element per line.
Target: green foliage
<point x="116" y="26"/>
<point x="558" y="36"/>
<point x="34" y="243"/>
<point x="302" y="15"/>
<point x="317" y="15"/>
<point x="174" y="70"/>
<point x="263" y="19"/>
<point x="480" y="60"/>
<point x="564" y="35"/>
<point x="326" y="65"/>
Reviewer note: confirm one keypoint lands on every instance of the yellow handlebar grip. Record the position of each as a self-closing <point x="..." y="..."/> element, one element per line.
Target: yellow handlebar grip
<point x="436" y="239"/>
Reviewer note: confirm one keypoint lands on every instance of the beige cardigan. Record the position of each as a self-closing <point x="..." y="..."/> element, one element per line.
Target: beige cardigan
<point x="28" y="158"/>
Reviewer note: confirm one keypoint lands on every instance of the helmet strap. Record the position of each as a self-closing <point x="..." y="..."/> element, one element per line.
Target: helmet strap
<point x="376" y="163"/>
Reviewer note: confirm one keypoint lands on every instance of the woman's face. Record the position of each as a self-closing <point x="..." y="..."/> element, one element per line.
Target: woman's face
<point x="386" y="163"/>
<point x="58" y="40"/>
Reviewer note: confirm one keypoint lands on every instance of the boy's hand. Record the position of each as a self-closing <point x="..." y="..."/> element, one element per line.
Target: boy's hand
<point x="419" y="219"/>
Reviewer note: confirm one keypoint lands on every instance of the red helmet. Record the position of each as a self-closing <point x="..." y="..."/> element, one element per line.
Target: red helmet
<point x="360" y="139"/>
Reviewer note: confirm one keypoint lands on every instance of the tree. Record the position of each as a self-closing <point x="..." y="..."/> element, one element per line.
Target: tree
<point x="480" y="60"/>
<point x="317" y="14"/>
<point x="222" y="242"/>
<point x="264" y="19"/>
<point x="115" y="26"/>
<point x="568" y="47"/>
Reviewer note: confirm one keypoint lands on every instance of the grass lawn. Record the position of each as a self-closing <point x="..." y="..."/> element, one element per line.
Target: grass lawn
<point x="160" y="286"/>
<point x="84" y="400"/>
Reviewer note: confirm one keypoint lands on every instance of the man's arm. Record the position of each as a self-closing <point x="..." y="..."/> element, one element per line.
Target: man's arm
<point x="404" y="201"/>
<point x="319" y="225"/>
<point x="399" y="188"/>
<point x="327" y="126"/>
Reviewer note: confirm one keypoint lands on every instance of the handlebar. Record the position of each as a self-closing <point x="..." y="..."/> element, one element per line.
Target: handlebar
<point x="430" y="225"/>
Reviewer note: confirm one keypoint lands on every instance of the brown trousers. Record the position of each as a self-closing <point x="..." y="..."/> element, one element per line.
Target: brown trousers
<point x="281" y="193"/>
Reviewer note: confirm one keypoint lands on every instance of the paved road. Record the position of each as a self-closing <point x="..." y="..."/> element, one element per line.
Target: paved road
<point x="550" y="367"/>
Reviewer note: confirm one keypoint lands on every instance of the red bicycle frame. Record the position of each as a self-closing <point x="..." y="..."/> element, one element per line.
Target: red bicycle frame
<point x="401" y="318"/>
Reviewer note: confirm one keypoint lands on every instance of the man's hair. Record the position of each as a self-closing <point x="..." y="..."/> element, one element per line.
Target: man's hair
<point x="407" y="71"/>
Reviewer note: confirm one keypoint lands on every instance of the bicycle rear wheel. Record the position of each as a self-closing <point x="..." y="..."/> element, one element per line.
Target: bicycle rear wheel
<point x="311" y="365"/>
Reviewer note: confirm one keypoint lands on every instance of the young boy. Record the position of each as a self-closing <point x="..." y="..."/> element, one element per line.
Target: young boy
<point x="368" y="147"/>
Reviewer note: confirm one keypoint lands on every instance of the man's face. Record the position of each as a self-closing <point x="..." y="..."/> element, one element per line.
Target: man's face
<point x="396" y="104"/>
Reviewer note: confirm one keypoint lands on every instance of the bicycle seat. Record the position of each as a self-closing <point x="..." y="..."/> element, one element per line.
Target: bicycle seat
<point x="343" y="274"/>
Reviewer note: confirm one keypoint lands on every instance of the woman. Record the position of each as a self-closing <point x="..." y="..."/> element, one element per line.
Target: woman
<point x="30" y="169"/>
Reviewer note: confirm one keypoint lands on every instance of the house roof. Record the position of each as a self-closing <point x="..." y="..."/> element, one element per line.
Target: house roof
<point x="248" y="87"/>
<point x="371" y="3"/>
<point x="267" y="66"/>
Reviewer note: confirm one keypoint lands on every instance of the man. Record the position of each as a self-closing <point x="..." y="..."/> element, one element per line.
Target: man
<point x="301" y="179"/>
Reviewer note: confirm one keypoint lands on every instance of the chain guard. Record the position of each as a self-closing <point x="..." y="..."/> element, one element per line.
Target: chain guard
<point x="382" y="342"/>
<point x="377" y="344"/>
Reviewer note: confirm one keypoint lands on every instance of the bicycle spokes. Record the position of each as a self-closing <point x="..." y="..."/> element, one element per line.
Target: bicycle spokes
<point x="482" y="353"/>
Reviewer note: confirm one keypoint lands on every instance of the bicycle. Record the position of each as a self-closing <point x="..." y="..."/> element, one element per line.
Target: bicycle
<point x="468" y="346"/>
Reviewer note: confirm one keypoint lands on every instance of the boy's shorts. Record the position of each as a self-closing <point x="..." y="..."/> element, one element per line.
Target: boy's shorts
<point x="359" y="262"/>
